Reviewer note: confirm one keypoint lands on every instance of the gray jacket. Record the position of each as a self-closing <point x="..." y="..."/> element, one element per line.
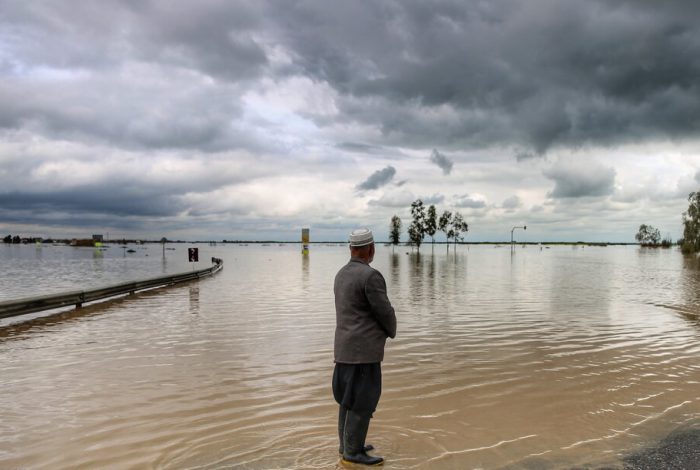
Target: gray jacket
<point x="364" y="316"/>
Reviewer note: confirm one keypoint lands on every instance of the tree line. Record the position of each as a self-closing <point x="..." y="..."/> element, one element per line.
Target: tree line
<point x="17" y="240"/>
<point x="426" y="222"/>
<point x="650" y="236"/>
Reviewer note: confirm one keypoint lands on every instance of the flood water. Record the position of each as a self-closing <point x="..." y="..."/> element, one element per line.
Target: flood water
<point x="538" y="359"/>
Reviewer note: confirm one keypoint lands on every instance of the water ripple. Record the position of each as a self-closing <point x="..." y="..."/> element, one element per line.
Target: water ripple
<point x="548" y="359"/>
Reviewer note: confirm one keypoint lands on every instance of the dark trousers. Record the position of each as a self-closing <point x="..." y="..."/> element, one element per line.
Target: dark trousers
<point x="358" y="387"/>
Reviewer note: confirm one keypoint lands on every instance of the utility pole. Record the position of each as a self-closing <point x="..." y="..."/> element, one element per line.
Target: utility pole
<point x="524" y="227"/>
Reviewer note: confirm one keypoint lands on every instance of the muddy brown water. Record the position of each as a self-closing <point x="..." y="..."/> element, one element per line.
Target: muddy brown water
<point x="542" y="358"/>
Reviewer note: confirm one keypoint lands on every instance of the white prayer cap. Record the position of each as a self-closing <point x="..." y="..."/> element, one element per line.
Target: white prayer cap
<point x="361" y="237"/>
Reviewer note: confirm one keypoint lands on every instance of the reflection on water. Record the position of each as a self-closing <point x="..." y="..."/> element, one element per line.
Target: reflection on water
<point x="537" y="359"/>
<point x="194" y="299"/>
<point x="305" y="270"/>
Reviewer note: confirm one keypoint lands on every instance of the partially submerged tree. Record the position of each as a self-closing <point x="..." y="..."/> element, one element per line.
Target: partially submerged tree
<point x="445" y="226"/>
<point x="691" y="224"/>
<point x="648" y="235"/>
<point x="415" y="235"/>
<point x="431" y="223"/>
<point x="395" y="231"/>
<point x="459" y="226"/>
<point x="452" y="225"/>
<point x="417" y="230"/>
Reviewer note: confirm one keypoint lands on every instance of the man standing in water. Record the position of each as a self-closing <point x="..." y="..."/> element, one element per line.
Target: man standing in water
<point x="364" y="320"/>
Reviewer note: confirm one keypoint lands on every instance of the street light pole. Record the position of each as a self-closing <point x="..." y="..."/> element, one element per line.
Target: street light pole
<point x="524" y="227"/>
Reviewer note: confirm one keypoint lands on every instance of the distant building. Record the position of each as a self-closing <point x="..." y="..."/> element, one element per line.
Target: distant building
<point x="305" y="241"/>
<point x="97" y="238"/>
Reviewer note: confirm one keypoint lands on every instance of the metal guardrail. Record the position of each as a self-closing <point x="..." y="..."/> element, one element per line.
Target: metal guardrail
<point x="26" y="305"/>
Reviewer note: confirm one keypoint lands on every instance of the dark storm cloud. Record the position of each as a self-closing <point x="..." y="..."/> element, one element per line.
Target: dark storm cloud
<point x="117" y="187"/>
<point x="575" y="179"/>
<point x="441" y="161"/>
<point x="524" y="156"/>
<point x="216" y="37"/>
<point x="535" y="74"/>
<point x="133" y="74"/>
<point x="359" y="147"/>
<point x="189" y="117"/>
<point x="425" y="73"/>
<point x="378" y="179"/>
<point x="115" y="201"/>
<point x="58" y="220"/>
<point x="371" y="149"/>
<point x="213" y="36"/>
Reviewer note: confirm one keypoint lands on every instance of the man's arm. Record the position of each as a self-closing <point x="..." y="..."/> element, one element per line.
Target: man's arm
<point x="375" y="290"/>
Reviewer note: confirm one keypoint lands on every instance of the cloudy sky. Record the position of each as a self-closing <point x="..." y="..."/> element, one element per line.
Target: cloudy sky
<point x="250" y="120"/>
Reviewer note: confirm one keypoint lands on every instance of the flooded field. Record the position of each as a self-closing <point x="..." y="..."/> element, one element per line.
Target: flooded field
<point x="538" y="359"/>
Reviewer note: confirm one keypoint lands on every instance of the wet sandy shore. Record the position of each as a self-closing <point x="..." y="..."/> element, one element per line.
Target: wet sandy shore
<point x="680" y="450"/>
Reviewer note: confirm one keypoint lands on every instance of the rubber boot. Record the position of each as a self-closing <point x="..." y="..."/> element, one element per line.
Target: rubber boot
<point x="341" y="431"/>
<point x="356" y="426"/>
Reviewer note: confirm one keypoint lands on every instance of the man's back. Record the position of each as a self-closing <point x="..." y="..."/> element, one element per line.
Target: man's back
<point x="364" y="315"/>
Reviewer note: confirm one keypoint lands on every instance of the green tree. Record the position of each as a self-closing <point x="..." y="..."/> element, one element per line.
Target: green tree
<point x="445" y="226"/>
<point x="691" y="224"/>
<point x="418" y="232"/>
<point x="648" y="235"/>
<point x="415" y="235"/>
<point x="395" y="230"/>
<point x="459" y="226"/>
<point x="431" y="223"/>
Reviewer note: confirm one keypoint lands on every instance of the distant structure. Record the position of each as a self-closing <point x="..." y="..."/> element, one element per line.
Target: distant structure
<point x="98" y="238"/>
<point x="305" y="241"/>
<point x="83" y="242"/>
